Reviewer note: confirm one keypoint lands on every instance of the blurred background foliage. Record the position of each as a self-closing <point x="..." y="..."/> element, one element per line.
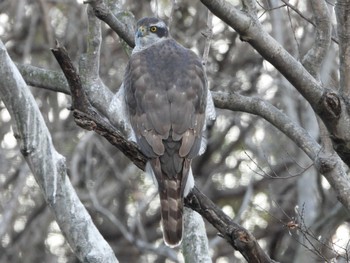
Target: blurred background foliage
<point x="250" y="169"/>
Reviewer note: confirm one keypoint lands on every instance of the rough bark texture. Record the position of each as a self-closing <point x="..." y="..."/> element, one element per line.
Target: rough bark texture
<point x="49" y="167"/>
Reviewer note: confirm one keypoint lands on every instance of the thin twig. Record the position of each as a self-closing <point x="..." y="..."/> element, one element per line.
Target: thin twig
<point x="293" y="30"/>
<point x="208" y="35"/>
<point x="335" y="40"/>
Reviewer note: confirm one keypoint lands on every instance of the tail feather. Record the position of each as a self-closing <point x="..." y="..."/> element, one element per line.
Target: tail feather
<point x="171" y="193"/>
<point x="171" y="212"/>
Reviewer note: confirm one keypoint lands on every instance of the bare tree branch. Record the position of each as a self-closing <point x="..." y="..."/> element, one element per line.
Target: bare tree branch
<point x="94" y="39"/>
<point x="87" y="118"/>
<point x="237" y="236"/>
<point x="251" y="30"/>
<point x="44" y="78"/>
<point x="256" y="106"/>
<point x="195" y="245"/>
<point x="89" y="67"/>
<point x="327" y="163"/>
<point x="79" y="99"/>
<point x="49" y="167"/>
<point x="312" y="61"/>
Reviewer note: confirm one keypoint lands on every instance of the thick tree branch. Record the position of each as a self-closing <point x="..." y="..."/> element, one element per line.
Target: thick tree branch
<point x="256" y="106"/>
<point x="195" y="245"/>
<point x="44" y="78"/>
<point x="98" y="124"/>
<point x="94" y="39"/>
<point x="89" y="67"/>
<point x="49" y="167"/>
<point x="250" y="30"/>
<point x="312" y="61"/>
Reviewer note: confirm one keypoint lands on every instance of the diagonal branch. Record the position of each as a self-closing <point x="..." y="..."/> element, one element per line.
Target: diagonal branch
<point x="237" y="236"/>
<point x="250" y="30"/>
<point x="49" y="167"/>
<point x="86" y="117"/>
<point x="281" y="121"/>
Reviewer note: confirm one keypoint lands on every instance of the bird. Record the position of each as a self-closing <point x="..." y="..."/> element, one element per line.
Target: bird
<point x="166" y="97"/>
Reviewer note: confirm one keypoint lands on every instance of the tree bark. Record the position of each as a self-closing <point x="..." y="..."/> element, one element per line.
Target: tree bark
<point x="49" y="167"/>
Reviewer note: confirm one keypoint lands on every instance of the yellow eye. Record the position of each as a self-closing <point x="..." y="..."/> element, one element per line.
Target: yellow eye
<point x="153" y="29"/>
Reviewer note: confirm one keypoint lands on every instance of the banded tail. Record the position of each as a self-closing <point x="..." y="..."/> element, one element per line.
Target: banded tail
<point x="172" y="190"/>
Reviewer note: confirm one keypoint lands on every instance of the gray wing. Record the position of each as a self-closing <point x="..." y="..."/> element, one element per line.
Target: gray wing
<point x="166" y="95"/>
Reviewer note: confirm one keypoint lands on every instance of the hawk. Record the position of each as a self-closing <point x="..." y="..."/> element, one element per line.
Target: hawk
<point x="166" y="100"/>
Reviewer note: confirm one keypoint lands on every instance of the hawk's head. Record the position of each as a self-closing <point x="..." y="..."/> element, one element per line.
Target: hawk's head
<point x="150" y="30"/>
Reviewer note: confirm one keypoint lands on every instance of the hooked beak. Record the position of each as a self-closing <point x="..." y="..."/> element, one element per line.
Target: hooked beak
<point x="141" y="32"/>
